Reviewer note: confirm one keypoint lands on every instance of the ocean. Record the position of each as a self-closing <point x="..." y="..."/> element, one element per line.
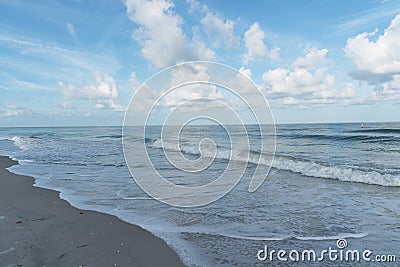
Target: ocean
<point x="328" y="183"/>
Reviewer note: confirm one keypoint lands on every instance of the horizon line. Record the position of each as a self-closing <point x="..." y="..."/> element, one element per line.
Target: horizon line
<point x="158" y="125"/>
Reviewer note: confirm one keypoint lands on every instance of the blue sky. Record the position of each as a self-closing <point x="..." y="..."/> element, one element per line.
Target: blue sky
<point x="79" y="62"/>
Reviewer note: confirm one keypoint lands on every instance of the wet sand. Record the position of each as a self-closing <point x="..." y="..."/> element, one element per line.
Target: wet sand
<point x="37" y="228"/>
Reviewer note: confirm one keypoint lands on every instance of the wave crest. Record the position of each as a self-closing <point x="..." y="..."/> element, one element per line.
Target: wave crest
<point x="302" y="166"/>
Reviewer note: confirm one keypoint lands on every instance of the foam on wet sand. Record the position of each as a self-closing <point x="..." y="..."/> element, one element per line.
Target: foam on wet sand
<point x="37" y="228"/>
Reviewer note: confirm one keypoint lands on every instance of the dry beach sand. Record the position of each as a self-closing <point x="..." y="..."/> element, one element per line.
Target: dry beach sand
<point x="37" y="228"/>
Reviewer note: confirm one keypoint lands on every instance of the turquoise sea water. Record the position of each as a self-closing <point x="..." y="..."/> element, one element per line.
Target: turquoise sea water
<point x="327" y="182"/>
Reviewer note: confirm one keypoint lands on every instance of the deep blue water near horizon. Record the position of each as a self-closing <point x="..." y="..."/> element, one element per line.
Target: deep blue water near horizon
<point x="328" y="181"/>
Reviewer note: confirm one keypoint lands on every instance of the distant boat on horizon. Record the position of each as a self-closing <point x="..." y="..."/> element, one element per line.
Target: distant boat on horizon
<point x="362" y="125"/>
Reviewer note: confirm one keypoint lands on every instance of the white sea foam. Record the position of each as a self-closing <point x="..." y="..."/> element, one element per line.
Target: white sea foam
<point x="304" y="167"/>
<point x="341" y="173"/>
<point x="334" y="237"/>
<point x="7" y="251"/>
<point x="25" y="161"/>
<point x="272" y="237"/>
<point x="255" y="238"/>
<point x="20" y="142"/>
<point x="303" y="238"/>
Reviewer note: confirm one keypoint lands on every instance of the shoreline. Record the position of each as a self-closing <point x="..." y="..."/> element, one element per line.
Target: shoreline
<point x="37" y="228"/>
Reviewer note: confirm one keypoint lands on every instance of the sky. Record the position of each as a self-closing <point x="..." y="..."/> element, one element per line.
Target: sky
<point x="76" y="62"/>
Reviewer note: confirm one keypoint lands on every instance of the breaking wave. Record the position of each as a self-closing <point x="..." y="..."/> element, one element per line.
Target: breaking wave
<point x="293" y="164"/>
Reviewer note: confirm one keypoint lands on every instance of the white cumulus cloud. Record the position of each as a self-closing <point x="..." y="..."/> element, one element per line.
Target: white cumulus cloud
<point x="246" y="72"/>
<point x="161" y="35"/>
<point x="108" y="104"/>
<point x="104" y="93"/>
<point x="256" y="48"/>
<point x="306" y="82"/>
<point x="106" y="88"/>
<point x="377" y="57"/>
<point x="377" y="60"/>
<point x="222" y="32"/>
<point x="179" y="95"/>
<point x="313" y="59"/>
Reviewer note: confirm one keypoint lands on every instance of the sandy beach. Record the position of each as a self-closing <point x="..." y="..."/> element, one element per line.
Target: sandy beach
<point x="37" y="228"/>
